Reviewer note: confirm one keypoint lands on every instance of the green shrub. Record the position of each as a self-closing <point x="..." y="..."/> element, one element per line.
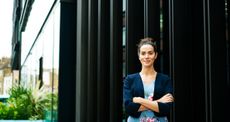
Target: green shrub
<point x="27" y="103"/>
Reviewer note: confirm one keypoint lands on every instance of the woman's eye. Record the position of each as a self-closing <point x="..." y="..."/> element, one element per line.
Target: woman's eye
<point x="150" y="53"/>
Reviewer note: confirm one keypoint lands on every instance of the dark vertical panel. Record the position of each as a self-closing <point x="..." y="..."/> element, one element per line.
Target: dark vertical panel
<point x="207" y="61"/>
<point x="81" y="59"/>
<point x="164" y="53"/>
<point x="217" y="60"/>
<point x="152" y="24"/>
<point x="135" y="31"/>
<point x="228" y="43"/>
<point x="179" y="47"/>
<point x="67" y="64"/>
<point x="152" y="18"/>
<point x="15" y="55"/>
<point x="228" y="49"/>
<point x="165" y="37"/>
<point x="185" y="42"/>
<point x="103" y="62"/>
<point x="198" y="59"/>
<point x="115" y="60"/>
<point x="92" y="60"/>
<point x="196" y="76"/>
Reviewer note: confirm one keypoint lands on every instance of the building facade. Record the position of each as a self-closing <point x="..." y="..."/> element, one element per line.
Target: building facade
<point x="83" y="49"/>
<point x="5" y="76"/>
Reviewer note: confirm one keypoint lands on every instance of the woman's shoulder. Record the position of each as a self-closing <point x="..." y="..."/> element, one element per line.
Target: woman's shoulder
<point x="162" y="76"/>
<point x="132" y="76"/>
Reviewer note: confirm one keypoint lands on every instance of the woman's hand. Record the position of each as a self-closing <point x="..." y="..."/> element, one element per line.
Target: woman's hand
<point x="146" y="104"/>
<point x="166" y="98"/>
<point x="137" y="99"/>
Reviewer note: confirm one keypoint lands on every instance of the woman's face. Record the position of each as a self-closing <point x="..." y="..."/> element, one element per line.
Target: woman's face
<point x="147" y="55"/>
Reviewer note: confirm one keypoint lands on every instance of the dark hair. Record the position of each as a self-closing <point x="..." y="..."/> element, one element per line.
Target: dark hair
<point x="147" y="40"/>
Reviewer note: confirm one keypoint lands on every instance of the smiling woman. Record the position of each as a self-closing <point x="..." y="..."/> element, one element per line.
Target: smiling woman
<point x="145" y="98"/>
<point x="6" y="9"/>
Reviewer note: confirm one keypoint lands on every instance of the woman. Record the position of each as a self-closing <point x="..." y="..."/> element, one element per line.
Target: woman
<point x="148" y="93"/>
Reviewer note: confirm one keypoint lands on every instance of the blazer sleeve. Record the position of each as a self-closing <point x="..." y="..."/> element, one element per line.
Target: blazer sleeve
<point x="130" y="108"/>
<point x="165" y="108"/>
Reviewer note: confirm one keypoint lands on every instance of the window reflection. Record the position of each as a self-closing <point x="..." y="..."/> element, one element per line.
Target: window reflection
<point x="41" y="53"/>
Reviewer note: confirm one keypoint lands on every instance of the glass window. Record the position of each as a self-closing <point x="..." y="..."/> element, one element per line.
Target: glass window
<point x="42" y="63"/>
<point x="34" y="23"/>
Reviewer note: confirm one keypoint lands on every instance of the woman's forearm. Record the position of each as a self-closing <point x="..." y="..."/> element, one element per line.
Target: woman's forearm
<point x="151" y="105"/>
<point x="146" y="104"/>
<point x="142" y="108"/>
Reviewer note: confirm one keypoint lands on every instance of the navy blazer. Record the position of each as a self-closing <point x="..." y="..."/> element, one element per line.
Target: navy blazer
<point x="133" y="87"/>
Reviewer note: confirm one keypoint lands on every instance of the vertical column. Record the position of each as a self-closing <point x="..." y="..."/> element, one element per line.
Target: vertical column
<point x="103" y="62"/>
<point x="228" y="41"/>
<point x="135" y="31"/>
<point x="196" y="47"/>
<point x="228" y="46"/>
<point x="201" y="33"/>
<point x="186" y="40"/>
<point x="67" y="63"/>
<point x="115" y="65"/>
<point x="81" y="61"/>
<point x="152" y="18"/>
<point x="152" y="24"/>
<point x="217" y="60"/>
<point x="92" y="61"/>
<point x="165" y="62"/>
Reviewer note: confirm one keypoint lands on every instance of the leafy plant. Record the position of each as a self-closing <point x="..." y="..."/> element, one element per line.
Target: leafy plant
<point x="27" y="103"/>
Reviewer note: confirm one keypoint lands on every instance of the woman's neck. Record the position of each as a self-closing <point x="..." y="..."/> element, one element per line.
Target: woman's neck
<point x="148" y="71"/>
<point x="148" y="75"/>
